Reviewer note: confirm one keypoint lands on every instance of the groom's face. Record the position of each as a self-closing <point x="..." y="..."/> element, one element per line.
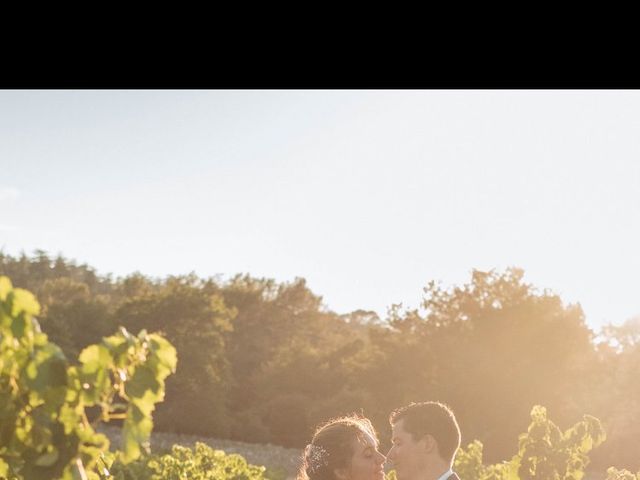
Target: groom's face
<point x="407" y="455"/>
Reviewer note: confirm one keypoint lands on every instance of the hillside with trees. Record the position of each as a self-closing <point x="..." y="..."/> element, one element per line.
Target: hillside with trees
<point x="262" y="361"/>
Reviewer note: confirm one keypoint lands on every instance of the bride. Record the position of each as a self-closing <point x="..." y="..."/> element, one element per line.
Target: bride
<point x="344" y="448"/>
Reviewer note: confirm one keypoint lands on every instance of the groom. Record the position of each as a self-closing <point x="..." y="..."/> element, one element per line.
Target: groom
<point x="425" y="438"/>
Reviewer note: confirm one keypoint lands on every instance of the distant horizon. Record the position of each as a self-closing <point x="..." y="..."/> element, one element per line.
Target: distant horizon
<point x="368" y="195"/>
<point x="223" y="277"/>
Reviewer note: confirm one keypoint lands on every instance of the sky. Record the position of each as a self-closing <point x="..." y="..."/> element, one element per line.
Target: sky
<point x="368" y="195"/>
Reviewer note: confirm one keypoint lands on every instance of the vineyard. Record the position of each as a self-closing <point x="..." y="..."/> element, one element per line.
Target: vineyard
<point x="51" y="412"/>
<point x="279" y="462"/>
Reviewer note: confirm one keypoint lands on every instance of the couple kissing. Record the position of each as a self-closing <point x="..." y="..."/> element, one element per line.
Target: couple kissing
<point x="425" y="438"/>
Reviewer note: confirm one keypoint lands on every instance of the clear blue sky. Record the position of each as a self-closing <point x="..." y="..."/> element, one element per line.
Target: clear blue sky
<point x="367" y="194"/>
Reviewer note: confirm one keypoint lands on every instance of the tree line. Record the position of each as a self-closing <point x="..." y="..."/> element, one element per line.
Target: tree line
<point x="262" y="361"/>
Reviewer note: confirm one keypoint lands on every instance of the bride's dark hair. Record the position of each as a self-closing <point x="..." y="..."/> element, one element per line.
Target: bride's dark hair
<point x="331" y="446"/>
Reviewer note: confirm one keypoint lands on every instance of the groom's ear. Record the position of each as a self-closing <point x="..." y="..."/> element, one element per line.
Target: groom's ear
<point x="429" y="443"/>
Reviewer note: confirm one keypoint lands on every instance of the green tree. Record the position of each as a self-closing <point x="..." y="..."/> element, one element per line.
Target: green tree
<point x="72" y="317"/>
<point x="491" y="348"/>
<point x="197" y="323"/>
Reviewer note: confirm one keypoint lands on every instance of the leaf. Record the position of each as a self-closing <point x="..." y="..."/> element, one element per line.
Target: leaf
<point x="118" y="346"/>
<point x="25" y="301"/>
<point x="93" y="374"/>
<point x="69" y="417"/>
<point x="48" y="459"/>
<point x="587" y="444"/>
<point x="142" y="380"/>
<point x="5" y="288"/>
<point x="135" y="434"/>
<point x="165" y="352"/>
<point x="48" y="368"/>
<point x="147" y="403"/>
<point x="94" y="357"/>
<point x="19" y="326"/>
<point x="4" y="467"/>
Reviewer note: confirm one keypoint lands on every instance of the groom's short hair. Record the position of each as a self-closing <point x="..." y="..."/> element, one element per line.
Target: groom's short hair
<point x="430" y="418"/>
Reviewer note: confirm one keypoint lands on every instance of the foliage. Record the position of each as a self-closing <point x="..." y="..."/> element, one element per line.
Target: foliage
<point x="468" y="465"/>
<point x="615" y="474"/>
<point x="45" y="432"/>
<point x="615" y="399"/>
<point x="490" y="348"/>
<point x="67" y="306"/>
<point x="200" y="463"/>
<point x="196" y="323"/>
<point x="545" y="452"/>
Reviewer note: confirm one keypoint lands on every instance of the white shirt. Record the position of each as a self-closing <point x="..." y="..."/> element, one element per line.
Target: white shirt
<point x="445" y="475"/>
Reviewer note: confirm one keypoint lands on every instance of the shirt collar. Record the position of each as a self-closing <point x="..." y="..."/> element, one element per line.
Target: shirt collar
<point x="445" y="475"/>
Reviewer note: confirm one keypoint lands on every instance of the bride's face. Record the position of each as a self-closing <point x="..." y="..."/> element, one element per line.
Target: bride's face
<point x="367" y="462"/>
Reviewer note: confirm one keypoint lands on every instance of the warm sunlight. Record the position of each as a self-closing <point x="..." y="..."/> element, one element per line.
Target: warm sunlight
<point x="251" y="250"/>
